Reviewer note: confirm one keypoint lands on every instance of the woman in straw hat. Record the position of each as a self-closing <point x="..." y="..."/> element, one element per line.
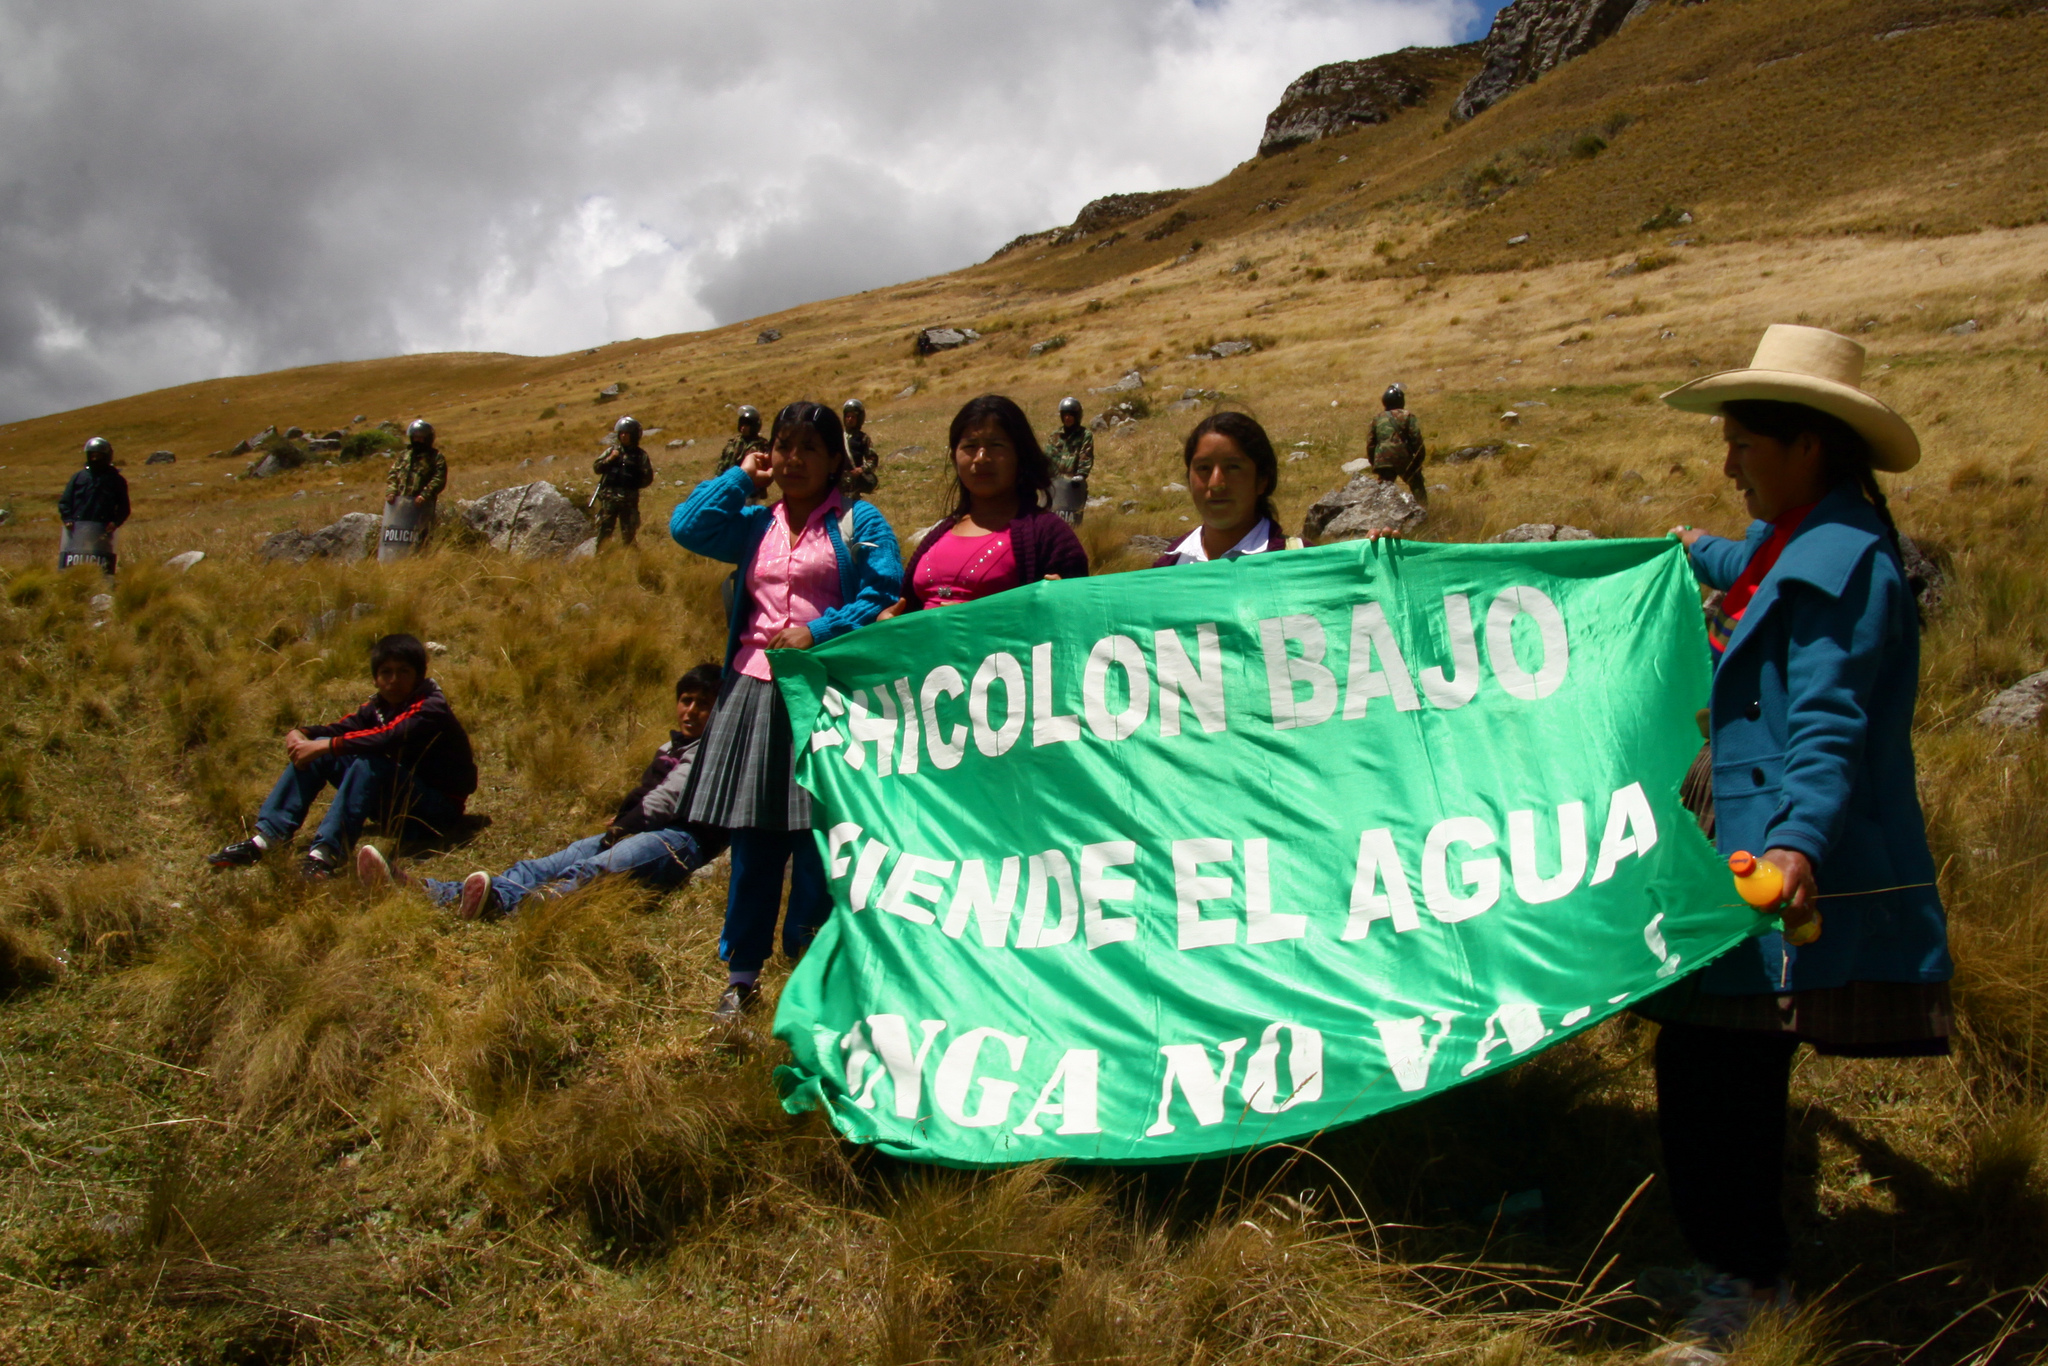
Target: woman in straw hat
<point x="1817" y="653"/>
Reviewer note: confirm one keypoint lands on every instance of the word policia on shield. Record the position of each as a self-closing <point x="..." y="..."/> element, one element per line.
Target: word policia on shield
<point x="1142" y="869"/>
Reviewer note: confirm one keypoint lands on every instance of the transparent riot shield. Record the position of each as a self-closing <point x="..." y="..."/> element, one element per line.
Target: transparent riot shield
<point x="87" y="543"/>
<point x="405" y="529"/>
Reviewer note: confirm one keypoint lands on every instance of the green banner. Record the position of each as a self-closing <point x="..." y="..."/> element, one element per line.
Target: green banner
<point x="1170" y="864"/>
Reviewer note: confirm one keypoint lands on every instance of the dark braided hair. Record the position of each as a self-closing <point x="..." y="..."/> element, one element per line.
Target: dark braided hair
<point x="1248" y="436"/>
<point x="1845" y="452"/>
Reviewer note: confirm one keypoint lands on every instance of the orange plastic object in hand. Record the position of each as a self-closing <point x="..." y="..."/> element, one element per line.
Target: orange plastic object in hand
<point x="1762" y="885"/>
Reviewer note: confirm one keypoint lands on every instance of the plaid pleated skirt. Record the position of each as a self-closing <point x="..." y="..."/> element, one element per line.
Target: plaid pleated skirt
<point x="1854" y="1020"/>
<point x="742" y="779"/>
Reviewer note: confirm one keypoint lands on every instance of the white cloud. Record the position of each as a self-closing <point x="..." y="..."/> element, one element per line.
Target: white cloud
<point x="231" y="185"/>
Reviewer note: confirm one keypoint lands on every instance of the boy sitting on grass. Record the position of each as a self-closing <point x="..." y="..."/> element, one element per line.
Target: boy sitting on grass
<point x="648" y="838"/>
<point x="402" y="754"/>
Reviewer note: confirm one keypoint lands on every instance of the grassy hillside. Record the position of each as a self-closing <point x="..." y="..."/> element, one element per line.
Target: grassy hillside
<point x="247" y="1123"/>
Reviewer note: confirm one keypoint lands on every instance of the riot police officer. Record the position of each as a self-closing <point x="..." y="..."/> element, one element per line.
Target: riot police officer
<point x="1071" y="449"/>
<point x="622" y="471"/>
<point x="861" y="477"/>
<point x="91" y="507"/>
<point x="419" y="475"/>
<point x="748" y="440"/>
<point x="1395" y="446"/>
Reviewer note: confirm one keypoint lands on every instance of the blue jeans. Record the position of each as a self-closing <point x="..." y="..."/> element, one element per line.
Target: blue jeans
<point x="362" y="783"/>
<point x="755" y="895"/>
<point x="661" y="858"/>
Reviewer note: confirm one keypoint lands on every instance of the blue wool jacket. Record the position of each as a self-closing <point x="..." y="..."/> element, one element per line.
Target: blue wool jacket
<point x="717" y="522"/>
<point x="1811" y="723"/>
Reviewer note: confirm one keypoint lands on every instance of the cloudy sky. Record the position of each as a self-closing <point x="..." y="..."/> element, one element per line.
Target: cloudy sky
<point x="218" y="187"/>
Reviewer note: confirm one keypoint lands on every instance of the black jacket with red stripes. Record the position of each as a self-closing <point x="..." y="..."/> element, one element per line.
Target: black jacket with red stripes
<point x="423" y="736"/>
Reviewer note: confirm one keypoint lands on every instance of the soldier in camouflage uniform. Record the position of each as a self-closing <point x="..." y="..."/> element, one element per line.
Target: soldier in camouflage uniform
<point x="1071" y="449"/>
<point x="622" y="472"/>
<point x="861" y="477"/>
<point x="420" y="474"/>
<point x="749" y="439"/>
<point x="1396" y="448"/>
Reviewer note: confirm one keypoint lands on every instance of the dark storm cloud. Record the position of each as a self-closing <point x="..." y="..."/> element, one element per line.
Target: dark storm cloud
<point x="227" y="185"/>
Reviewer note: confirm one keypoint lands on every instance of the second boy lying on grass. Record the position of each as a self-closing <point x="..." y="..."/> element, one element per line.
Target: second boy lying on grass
<point x="648" y="837"/>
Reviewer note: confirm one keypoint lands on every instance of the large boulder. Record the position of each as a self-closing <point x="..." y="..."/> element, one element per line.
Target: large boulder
<point x="352" y="538"/>
<point x="1342" y="96"/>
<point x="1364" y="505"/>
<point x="932" y="340"/>
<point x="1541" y="531"/>
<point x="1530" y="37"/>
<point x="279" y="458"/>
<point x="161" y="458"/>
<point x="2019" y="706"/>
<point x="530" y="520"/>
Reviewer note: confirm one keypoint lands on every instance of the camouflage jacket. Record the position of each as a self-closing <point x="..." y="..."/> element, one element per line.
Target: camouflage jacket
<point x="738" y="447"/>
<point x="623" y="472"/>
<point x="1072" y="451"/>
<point x="861" y="476"/>
<point x="418" y="473"/>
<point x="1396" y="440"/>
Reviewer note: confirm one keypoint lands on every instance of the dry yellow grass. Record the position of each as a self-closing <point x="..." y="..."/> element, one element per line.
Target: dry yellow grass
<point x="246" y="1122"/>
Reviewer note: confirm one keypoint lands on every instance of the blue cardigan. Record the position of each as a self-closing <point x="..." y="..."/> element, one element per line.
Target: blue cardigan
<point x="1811" y="721"/>
<point x="718" y="522"/>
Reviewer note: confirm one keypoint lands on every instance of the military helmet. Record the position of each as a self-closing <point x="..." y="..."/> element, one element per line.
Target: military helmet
<point x="626" y="427"/>
<point x="1070" y="405"/>
<point x="99" y="448"/>
<point x="420" y="433"/>
<point x="1395" y="397"/>
<point x="853" y="405"/>
<point x="750" y="416"/>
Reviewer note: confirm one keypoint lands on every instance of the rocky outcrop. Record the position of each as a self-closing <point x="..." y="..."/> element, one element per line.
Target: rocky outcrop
<point x="1530" y="37"/>
<point x="531" y="520"/>
<point x="1342" y="96"/>
<point x="1361" y="506"/>
<point x="1098" y="215"/>
<point x="352" y="538"/>
<point x="2020" y="706"/>
<point x="279" y="457"/>
<point x="1541" y="531"/>
<point x="932" y="340"/>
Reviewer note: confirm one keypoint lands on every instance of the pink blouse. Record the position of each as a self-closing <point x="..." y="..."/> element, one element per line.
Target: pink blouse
<point x="962" y="568"/>
<point x="791" y="585"/>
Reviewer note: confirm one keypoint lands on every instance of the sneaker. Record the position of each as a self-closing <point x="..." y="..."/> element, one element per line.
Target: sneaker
<point x="240" y="854"/>
<point x="1725" y="1309"/>
<point x="374" y="871"/>
<point x="739" y="999"/>
<point x="478" y="901"/>
<point x="319" y="864"/>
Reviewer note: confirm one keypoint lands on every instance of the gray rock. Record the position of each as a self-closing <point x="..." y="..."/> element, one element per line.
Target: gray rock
<point x="324" y="445"/>
<point x="391" y="425"/>
<point x="935" y="339"/>
<point x="280" y="460"/>
<point x="1342" y="96"/>
<point x="1358" y="466"/>
<point x="1127" y="506"/>
<point x="1365" y="504"/>
<point x="336" y="435"/>
<point x="1926" y="578"/>
<point x="262" y="437"/>
<point x="1530" y="37"/>
<point x="1129" y="384"/>
<point x="677" y="444"/>
<point x="361" y="610"/>
<point x="352" y="538"/>
<point x="161" y="458"/>
<point x="1519" y="239"/>
<point x="1175" y="487"/>
<point x="185" y="561"/>
<point x="1466" y="454"/>
<point x="1152" y="545"/>
<point x="240" y="448"/>
<point x="1296" y="455"/>
<point x="530" y="520"/>
<point x="435" y="647"/>
<point x="906" y="452"/>
<point x="1049" y="344"/>
<point x="609" y="392"/>
<point x="1963" y="329"/>
<point x="1099" y="215"/>
<point x="2019" y="706"/>
<point x="577" y="609"/>
<point x="771" y="334"/>
<point x="322" y="624"/>
<point x="362" y="417"/>
<point x="907" y="390"/>
<point x="294" y="433"/>
<point x="1541" y="531"/>
<point x="103" y="602"/>
<point x="585" y="549"/>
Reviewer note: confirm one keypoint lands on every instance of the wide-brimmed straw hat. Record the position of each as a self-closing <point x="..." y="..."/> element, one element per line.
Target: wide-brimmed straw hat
<point x="1818" y="368"/>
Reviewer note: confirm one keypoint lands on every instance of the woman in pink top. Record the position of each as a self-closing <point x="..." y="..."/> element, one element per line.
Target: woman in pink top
<point x="1001" y="532"/>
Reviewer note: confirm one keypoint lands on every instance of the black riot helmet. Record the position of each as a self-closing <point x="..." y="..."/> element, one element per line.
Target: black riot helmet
<point x="99" y="451"/>
<point x="1070" y="405"/>
<point x="750" y="416"/>
<point x="1395" y="397"/>
<point x="420" y="433"/>
<point x="627" y="430"/>
<point x="853" y="405"/>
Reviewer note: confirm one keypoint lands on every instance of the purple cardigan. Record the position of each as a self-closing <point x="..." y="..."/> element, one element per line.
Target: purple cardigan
<point x="1043" y="544"/>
